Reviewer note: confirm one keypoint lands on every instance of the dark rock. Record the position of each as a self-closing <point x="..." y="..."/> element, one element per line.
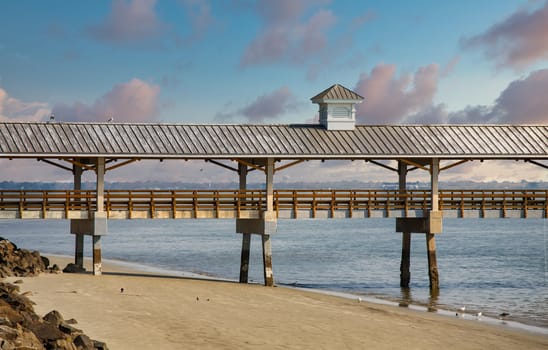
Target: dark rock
<point x="68" y="329"/>
<point x="99" y="345"/>
<point x="54" y="317"/>
<point x="45" y="261"/>
<point x="73" y="268"/>
<point x="18" y="282"/>
<point x="55" y="269"/>
<point x="71" y="321"/>
<point x="83" y="342"/>
<point x="18" y="262"/>
<point x="46" y="332"/>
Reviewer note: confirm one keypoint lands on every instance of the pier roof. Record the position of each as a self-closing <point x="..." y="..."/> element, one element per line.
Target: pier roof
<point x="162" y="140"/>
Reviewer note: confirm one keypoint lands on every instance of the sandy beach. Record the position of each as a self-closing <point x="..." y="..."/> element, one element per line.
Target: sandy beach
<point x="166" y="312"/>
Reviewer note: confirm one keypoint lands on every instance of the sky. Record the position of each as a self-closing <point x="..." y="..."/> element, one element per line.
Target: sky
<point x="255" y="62"/>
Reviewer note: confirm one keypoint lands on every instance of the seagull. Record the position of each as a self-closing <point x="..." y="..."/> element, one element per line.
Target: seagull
<point x="461" y="311"/>
<point x="121" y="290"/>
<point x="359" y="300"/>
<point x="478" y="315"/>
<point x="52" y="118"/>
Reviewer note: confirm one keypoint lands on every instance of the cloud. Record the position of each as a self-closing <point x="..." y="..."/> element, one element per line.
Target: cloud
<point x="200" y="16"/>
<point x="390" y="98"/>
<point x="289" y="34"/>
<point x="12" y="109"/>
<point x="268" y="106"/>
<point x="522" y="102"/>
<point x="134" y="101"/>
<point x="517" y="41"/>
<point x="129" y="22"/>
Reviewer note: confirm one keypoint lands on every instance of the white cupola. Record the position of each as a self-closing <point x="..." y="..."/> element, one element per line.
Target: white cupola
<point x="337" y="107"/>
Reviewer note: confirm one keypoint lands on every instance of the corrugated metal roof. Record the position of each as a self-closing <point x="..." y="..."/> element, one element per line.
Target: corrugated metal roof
<point x="336" y="92"/>
<point x="282" y="141"/>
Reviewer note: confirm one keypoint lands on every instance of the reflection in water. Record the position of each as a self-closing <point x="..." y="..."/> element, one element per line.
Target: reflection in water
<point x="406" y="298"/>
<point x="433" y="300"/>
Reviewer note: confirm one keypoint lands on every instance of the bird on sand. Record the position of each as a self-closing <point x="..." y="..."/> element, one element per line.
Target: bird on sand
<point x="461" y="311"/>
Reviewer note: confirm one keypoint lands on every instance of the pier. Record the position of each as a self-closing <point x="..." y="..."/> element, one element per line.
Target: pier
<point x="270" y="149"/>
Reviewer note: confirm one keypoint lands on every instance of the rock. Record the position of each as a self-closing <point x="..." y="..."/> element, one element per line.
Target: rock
<point x="71" y="321"/>
<point x="18" y="282"/>
<point x="20" y="327"/>
<point x="46" y="331"/>
<point x="99" y="345"/>
<point x="83" y="342"/>
<point x="54" y="317"/>
<point x="45" y="261"/>
<point x="68" y="329"/>
<point x="18" y="262"/>
<point x="55" y="269"/>
<point x="73" y="268"/>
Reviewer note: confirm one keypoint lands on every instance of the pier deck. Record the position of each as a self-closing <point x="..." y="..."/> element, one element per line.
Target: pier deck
<point x="288" y="204"/>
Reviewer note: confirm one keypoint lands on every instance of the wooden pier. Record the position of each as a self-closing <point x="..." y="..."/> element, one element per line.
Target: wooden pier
<point x="270" y="149"/>
<point x="288" y="204"/>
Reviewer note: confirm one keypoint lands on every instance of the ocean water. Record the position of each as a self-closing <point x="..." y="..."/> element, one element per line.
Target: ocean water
<point x="487" y="265"/>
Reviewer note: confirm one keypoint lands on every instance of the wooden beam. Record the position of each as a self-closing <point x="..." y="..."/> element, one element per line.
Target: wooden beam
<point x="417" y="165"/>
<point x="122" y="164"/>
<point x="381" y="165"/>
<point x="285" y="166"/>
<point x="536" y="163"/>
<point x="54" y="164"/>
<point x="256" y="167"/>
<point x="221" y="164"/>
<point x="75" y="162"/>
<point x="455" y="164"/>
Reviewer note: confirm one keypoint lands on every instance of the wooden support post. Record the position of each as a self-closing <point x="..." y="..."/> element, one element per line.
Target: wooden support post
<point x="79" y="250"/>
<point x="97" y="264"/>
<point x="100" y="199"/>
<point x="432" y="263"/>
<point x="246" y="237"/>
<point x="270" y="185"/>
<point x="79" y="237"/>
<point x="100" y="184"/>
<point x="267" y="261"/>
<point x="270" y="214"/>
<point x="244" y="262"/>
<point x="430" y="237"/>
<point x="405" y="273"/>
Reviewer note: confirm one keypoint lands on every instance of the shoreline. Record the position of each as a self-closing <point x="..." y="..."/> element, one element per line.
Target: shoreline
<point x="468" y="317"/>
<point x="129" y="309"/>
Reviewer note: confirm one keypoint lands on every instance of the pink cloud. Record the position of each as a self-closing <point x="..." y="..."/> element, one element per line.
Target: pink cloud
<point x="288" y="33"/>
<point x="517" y="41"/>
<point x="129" y="21"/>
<point x="524" y="101"/>
<point x="271" y="105"/>
<point x="134" y="101"/>
<point x="390" y="98"/>
<point x="13" y="109"/>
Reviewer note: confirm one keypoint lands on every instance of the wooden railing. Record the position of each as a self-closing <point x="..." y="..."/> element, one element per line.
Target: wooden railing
<point x="216" y="201"/>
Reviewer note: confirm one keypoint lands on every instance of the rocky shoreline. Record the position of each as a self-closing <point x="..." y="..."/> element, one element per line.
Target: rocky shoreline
<point x="20" y="327"/>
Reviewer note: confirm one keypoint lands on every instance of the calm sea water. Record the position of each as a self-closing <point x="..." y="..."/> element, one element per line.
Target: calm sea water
<point x="488" y="265"/>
